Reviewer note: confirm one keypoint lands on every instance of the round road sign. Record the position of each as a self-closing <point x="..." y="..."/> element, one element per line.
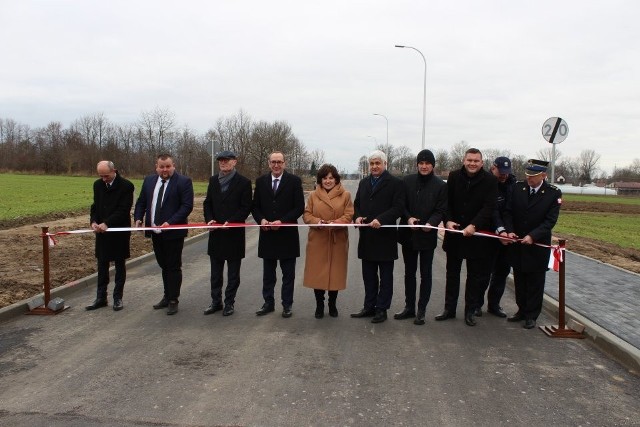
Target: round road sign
<point x="555" y="130"/>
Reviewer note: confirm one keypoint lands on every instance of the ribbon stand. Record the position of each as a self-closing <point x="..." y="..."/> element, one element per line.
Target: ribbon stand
<point x="560" y="330"/>
<point x="44" y="309"/>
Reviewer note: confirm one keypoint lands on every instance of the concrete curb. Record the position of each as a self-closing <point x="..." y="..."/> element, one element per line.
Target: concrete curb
<point x="21" y="307"/>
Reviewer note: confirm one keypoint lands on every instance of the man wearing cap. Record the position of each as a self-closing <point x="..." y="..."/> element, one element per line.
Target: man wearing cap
<point x="228" y="200"/>
<point x="501" y="169"/>
<point x="425" y="204"/>
<point x="278" y="199"/>
<point x="471" y="199"/>
<point x="531" y="213"/>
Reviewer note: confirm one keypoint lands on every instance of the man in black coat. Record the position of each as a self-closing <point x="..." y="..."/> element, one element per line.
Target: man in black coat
<point x="379" y="201"/>
<point x="501" y="169"/>
<point x="166" y="198"/>
<point x="470" y="204"/>
<point x="278" y="199"/>
<point x="112" y="201"/>
<point x="228" y="200"/>
<point x="531" y="213"/>
<point x="425" y="204"/>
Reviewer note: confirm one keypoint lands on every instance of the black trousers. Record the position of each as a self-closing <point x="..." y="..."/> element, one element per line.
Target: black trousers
<point x="498" y="280"/>
<point x="478" y="271"/>
<point x="168" y="254"/>
<point x="410" y="266"/>
<point x="103" y="278"/>
<point x="529" y="292"/>
<point x="288" y="268"/>
<point x="217" y="279"/>
<point x="378" y="290"/>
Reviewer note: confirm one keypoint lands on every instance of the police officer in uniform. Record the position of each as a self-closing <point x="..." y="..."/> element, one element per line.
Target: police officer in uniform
<point x="530" y="215"/>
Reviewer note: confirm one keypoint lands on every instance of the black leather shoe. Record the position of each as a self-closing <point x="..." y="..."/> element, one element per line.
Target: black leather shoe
<point x="364" y="313"/>
<point x="172" y="308"/>
<point x="212" y="308"/>
<point x="515" y="318"/>
<point x="333" y="310"/>
<point x="419" y="320"/>
<point x="529" y="324"/>
<point x="266" y="308"/>
<point x="380" y="316"/>
<point x="228" y="310"/>
<point x="407" y="313"/>
<point x="117" y="305"/>
<point x="477" y="312"/>
<point x="469" y="320"/>
<point x="498" y="311"/>
<point x="98" y="303"/>
<point x="286" y="312"/>
<point x="162" y="304"/>
<point x="319" y="310"/>
<point x="446" y="314"/>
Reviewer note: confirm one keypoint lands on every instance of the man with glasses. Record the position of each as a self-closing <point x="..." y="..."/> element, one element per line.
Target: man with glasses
<point x="278" y="199"/>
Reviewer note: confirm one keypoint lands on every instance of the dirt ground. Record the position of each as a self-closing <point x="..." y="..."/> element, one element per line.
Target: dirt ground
<point x="21" y="274"/>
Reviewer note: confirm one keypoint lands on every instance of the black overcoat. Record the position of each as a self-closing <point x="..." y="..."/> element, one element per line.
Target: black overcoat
<point x="286" y="205"/>
<point x="384" y="202"/>
<point x="534" y="216"/>
<point x="234" y="206"/>
<point x="427" y="201"/>
<point x="113" y="207"/>
<point x="471" y="200"/>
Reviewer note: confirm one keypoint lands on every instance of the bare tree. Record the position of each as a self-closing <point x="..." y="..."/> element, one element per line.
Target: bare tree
<point x="457" y="154"/>
<point x="546" y="154"/>
<point x="588" y="161"/>
<point x="404" y="161"/>
<point x="442" y="160"/>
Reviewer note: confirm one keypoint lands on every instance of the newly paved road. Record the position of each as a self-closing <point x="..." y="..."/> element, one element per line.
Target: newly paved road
<point x="142" y="367"/>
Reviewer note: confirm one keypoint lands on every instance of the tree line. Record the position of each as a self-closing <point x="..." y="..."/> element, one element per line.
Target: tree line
<point x="133" y="147"/>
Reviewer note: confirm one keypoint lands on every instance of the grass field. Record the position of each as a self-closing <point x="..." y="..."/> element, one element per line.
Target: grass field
<point x="24" y="196"/>
<point x="620" y="229"/>
<point x="622" y="200"/>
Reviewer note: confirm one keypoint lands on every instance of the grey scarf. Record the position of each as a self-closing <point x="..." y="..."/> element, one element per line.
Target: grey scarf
<point x="225" y="179"/>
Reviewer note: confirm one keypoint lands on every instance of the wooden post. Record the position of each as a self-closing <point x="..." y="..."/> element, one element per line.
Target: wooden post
<point x="560" y="330"/>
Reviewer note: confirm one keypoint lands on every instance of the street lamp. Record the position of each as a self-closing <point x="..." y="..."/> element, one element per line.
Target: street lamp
<point x="424" y="95"/>
<point x="385" y="117"/>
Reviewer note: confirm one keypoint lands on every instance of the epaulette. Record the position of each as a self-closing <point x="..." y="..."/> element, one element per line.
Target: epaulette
<point x="554" y="187"/>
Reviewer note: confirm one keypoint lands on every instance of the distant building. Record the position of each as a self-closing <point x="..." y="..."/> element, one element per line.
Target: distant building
<point x="561" y="179"/>
<point x="627" y="188"/>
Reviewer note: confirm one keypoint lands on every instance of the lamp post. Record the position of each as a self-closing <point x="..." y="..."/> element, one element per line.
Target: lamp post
<point x="385" y="117"/>
<point x="424" y="94"/>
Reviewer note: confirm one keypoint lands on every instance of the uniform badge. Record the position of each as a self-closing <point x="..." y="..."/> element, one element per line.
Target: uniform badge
<point x="559" y="201"/>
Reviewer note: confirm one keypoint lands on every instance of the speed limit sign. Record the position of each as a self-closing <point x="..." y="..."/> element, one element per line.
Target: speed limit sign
<point x="555" y="130"/>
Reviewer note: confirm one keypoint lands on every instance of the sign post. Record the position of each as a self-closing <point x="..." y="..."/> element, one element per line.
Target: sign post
<point x="554" y="130"/>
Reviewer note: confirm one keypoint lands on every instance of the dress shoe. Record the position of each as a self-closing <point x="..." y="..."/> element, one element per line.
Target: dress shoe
<point x="469" y="320"/>
<point x="515" y="318"/>
<point x="407" y="313"/>
<point x="162" y="304"/>
<point x="319" y="310"/>
<point x="228" y="310"/>
<point x="477" y="312"/>
<point x="446" y="314"/>
<point x="266" y="308"/>
<point x="419" y="320"/>
<point x="98" y="303"/>
<point x="529" y="324"/>
<point x="380" y="316"/>
<point x="117" y="305"/>
<point x="364" y="313"/>
<point x="286" y="312"/>
<point x="497" y="311"/>
<point x="172" y="308"/>
<point x="212" y="308"/>
<point x="333" y="310"/>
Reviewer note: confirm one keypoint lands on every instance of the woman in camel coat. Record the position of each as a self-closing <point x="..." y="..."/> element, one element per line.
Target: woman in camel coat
<point x="325" y="268"/>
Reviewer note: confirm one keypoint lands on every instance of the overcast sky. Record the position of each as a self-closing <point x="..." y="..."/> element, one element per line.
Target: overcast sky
<point x="496" y="70"/>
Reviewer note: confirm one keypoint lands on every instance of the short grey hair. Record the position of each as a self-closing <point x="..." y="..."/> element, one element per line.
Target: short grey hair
<point x="377" y="154"/>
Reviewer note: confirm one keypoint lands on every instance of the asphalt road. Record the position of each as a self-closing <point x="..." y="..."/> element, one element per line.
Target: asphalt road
<point x="142" y="367"/>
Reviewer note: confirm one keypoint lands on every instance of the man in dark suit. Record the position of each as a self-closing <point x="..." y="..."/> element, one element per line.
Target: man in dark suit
<point x="228" y="200"/>
<point x="531" y="213"/>
<point x="278" y="199"/>
<point x="425" y="204"/>
<point x="112" y="201"/>
<point x="470" y="203"/>
<point x="379" y="201"/>
<point x="165" y="199"/>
